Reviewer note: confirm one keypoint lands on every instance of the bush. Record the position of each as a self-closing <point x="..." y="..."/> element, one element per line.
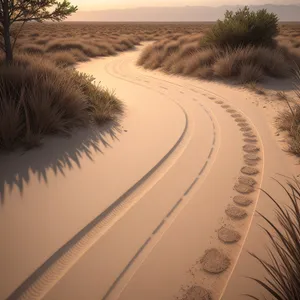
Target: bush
<point x="38" y="98"/>
<point x="243" y="28"/>
<point x="63" y="58"/>
<point x="250" y="73"/>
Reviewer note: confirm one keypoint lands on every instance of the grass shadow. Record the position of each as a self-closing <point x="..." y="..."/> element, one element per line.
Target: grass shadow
<point x="57" y="155"/>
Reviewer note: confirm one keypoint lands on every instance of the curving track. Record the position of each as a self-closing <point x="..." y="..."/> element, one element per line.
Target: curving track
<point x="196" y="170"/>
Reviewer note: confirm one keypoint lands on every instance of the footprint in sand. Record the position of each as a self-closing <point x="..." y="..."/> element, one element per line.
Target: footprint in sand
<point x="211" y="98"/>
<point x="230" y="110"/>
<point x="250" y="148"/>
<point x="249" y="134"/>
<point x="251" y="163"/>
<point x="244" y="129"/>
<point x="196" y="292"/>
<point x="235" y="213"/>
<point x="225" y="106"/>
<point x="251" y="156"/>
<point x="243" y="124"/>
<point x="219" y="102"/>
<point x="214" y="261"/>
<point x="236" y="115"/>
<point x="240" y="120"/>
<point x="247" y="180"/>
<point x="228" y="236"/>
<point x="243" y="188"/>
<point x="249" y="140"/>
<point x="242" y="200"/>
<point x="249" y="170"/>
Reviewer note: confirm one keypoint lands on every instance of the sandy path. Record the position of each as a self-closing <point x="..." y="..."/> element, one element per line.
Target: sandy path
<point x="149" y="245"/>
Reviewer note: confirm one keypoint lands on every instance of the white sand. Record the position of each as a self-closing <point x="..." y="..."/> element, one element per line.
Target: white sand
<point x="143" y="249"/>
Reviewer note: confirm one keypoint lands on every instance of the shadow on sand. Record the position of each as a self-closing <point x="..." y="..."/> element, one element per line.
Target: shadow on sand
<point x="57" y="154"/>
<point x="278" y="85"/>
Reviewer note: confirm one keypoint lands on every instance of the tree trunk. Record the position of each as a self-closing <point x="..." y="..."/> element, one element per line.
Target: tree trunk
<point x="6" y="33"/>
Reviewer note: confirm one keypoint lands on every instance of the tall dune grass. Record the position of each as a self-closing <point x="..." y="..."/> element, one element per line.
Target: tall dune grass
<point x="289" y="119"/>
<point x="227" y="49"/>
<point x="96" y="39"/>
<point x="38" y="99"/>
<point x="283" y="267"/>
<point x="246" y="64"/>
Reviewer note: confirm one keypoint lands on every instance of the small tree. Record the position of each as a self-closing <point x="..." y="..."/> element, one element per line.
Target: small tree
<point x="242" y="28"/>
<point x="22" y="11"/>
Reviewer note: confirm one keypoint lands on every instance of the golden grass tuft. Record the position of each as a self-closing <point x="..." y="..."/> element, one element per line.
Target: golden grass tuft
<point x="187" y="56"/>
<point x="289" y="119"/>
<point x="39" y="99"/>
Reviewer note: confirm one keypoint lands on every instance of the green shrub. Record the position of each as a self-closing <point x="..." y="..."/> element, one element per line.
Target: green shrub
<point x="243" y="28"/>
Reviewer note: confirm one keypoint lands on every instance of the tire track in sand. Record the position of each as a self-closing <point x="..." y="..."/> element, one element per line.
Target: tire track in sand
<point x="234" y="212"/>
<point x="47" y="275"/>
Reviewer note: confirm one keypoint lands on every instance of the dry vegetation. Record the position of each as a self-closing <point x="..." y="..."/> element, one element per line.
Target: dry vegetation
<point x="186" y="54"/>
<point x="289" y="119"/>
<point x="41" y="94"/>
<point x="69" y="42"/>
<point x="230" y="51"/>
<point x="176" y="49"/>
<point x="283" y="266"/>
<point x="38" y="98"/>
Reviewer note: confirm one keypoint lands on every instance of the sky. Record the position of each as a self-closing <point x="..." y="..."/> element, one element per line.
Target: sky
<point x="120" y="4"/>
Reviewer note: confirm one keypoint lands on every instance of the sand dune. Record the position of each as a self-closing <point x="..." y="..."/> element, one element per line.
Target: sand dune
<point x="186" y="184"/>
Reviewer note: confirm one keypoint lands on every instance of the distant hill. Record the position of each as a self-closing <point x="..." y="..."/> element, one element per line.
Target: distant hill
<point x="286" y="13"/>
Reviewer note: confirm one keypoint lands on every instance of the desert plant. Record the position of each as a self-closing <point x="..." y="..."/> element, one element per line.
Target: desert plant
<point x="243" y="28"/>
<point x="283" y="267"/>
<point x="23" y="11"/>
<point x="38" y="99"/>
<point x="250" y="73"/>
<point x="289" y="119"/>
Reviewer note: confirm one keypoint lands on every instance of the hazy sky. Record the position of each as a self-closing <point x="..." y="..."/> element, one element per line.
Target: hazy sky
<point x="112" y="4"/>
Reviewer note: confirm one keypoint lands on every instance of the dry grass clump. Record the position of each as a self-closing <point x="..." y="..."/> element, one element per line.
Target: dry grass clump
<point x="229" y="50"/>
<point x="63" y="58"/>
<point x="98" y="39"/>
<point x="283" y="266"/>
<point x="246" y="64"/>
<point x="32" y="49"/>
<point x="39" y="99"/>
<point x="40" y="96"/>
<point x="289" y="119"/>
